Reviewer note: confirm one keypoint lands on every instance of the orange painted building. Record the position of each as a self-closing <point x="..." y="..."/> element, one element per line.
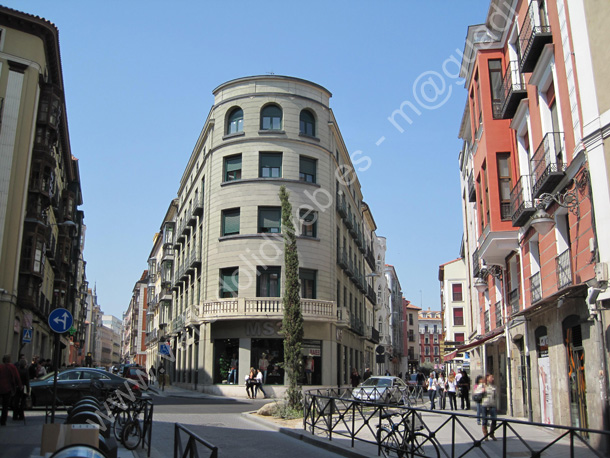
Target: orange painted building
<point x="529" y="221"/>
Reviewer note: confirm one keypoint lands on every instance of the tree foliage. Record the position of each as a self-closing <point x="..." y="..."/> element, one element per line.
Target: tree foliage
<point x="292" y="325"/>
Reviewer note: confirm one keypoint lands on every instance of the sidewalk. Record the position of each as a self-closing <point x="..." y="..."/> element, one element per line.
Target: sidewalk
<point x="23" y="440"/>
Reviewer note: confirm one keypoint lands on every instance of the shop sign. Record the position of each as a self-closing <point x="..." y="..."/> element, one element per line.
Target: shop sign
<point x="263" y="329"/>
<point x="311" y="348"/>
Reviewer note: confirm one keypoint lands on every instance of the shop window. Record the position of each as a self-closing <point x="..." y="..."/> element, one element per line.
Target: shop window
<point x="224" y="351"/>
<point x="269" y="354"/>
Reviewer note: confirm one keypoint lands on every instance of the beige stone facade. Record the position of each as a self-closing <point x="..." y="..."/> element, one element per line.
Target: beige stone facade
<point x="228" y="277"/>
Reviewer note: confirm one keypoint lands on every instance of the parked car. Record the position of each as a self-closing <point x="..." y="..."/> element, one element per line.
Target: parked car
<point x="75" y="383"/>
<point x="137" y="374"/>
<point x="382" y="390"/>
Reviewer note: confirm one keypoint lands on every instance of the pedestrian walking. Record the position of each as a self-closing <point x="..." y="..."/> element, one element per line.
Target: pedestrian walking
<point x="464" y="388"/>
<point x="477" y="396"/>
<point x="355" y="378"/>
<point x="367" y="374"/>
<point x="489" y="407"/>
<point x="440" y="387"/>
<point x="10" y="383"/>
<point x="22" y="394"/>
<point x="162" y="381"/>
<point x="452" y="392"/>
<point x="152" y="375"/>
<point x="250" y="383"/>
<point x="432" y="385"/>
<point x="259" y="385"/>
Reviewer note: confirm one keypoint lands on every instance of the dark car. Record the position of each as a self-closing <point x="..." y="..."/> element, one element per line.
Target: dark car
<point x="75" y="383"/>
<point x="137" y="374"/>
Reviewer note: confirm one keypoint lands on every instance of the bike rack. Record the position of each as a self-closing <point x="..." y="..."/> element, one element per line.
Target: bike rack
<point x="191" y="445"/>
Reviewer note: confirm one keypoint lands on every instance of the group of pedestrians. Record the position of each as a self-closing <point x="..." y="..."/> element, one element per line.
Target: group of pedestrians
<point x="484" y="395"/>
<point x="254" y="383"/>
<point x="448" y="387"/>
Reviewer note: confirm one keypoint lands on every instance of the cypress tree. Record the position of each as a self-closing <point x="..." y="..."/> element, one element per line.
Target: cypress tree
<point x="292" y="325"/>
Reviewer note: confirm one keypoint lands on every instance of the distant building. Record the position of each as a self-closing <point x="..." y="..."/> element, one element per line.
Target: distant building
<point x="411" y="349"/>
<point x="430" y="337"/>
<point x="134" y="321"/>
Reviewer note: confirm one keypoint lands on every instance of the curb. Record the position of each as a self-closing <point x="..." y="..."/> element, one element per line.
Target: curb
<point x="306" y="437"/>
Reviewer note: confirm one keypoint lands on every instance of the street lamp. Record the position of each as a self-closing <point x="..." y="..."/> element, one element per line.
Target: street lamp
<point x="480" y="284"/>
<point x="542" y="222"/>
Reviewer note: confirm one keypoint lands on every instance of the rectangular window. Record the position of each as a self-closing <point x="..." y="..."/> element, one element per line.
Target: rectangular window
<point x="486" y="187"/>
<point x="230" y="221"/>
<point x="270" y="165"/>
<point x="458" y="317"/>
<point x="268" y="281"/>
<point x="456" y="291"/>
<point x="504" y="181"/>
<point x="269" y="220"/>
<point x="307" y="169"/>
<point x="232" y="168"/>
<point x="308" y="283"/>
<point x="229" y="282"/>
<point x="309" y="223"/>
<point x="427" y="350"/>
<point x="495" y="78"/>
<point x="459" y="337"/>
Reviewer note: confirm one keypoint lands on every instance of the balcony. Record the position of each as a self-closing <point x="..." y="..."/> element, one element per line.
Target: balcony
<point x="372" y="334"/>
<point x="198" y="205"/>
<point x="495" y="245"/>
<point x="370" y="258"/>
<point x="472" y="193"/>
<point x="342" y="258"/>
<point x="521" y="202"/>
<point x="348" y="222"/>
<point x="341" y="207"/>
<point x="547" y="165"/>
<point x="192" y="316"/>
<point x="564" y="270"/>
<point x="514" y="90"/>
<point x="535" y="34"/>
<point x="513" y="301"/>
<point x="264" y="307"/>
<point x="476" y="264"/>
<point x="343" y="320"/>
<point x="370" y="294"/>
<point x="535" y="288"/>
<point x="356" y="325"/>
<point x="195" y="258"/>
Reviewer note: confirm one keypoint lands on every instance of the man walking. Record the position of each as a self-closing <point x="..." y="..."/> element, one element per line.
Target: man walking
<point x="161" y="373"/>
<point x="10" y="384"/>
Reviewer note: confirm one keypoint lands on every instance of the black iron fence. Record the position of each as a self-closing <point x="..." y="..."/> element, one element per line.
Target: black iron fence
<point x="191" y="448"/>
<point x="395" y="430"/>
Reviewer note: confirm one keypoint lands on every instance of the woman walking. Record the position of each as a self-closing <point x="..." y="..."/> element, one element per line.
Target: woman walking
<point x="251" y="383"/>
<point x="441" y="381"/>
<point x="489" y="407"/>
<point x="477" y="396"/>
<point x="452" y="392"/>
<point x="432" y="385"/>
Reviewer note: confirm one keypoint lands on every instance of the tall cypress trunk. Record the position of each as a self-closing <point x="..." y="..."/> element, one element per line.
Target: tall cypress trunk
<point x="292" y="325"/>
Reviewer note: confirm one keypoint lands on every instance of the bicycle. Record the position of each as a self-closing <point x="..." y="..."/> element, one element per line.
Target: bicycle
<point x="403" y="439"/>
<point x="132" y="433"/>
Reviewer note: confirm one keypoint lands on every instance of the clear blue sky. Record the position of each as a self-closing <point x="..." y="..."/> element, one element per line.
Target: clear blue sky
<point x="139" y="75"/>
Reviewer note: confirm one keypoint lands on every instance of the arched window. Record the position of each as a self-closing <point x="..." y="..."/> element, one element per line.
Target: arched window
<point x="307" y="123"/>
<point x="235" y="121"/>
<point x="271" y="118"/>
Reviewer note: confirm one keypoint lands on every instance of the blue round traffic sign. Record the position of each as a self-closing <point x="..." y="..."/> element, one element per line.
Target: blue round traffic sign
<point x="60" y="320"/>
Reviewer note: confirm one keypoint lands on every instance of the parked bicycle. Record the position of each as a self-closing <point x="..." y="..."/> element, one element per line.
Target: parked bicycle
<point x="400" y="436"/>
<point x="132" y="431"/>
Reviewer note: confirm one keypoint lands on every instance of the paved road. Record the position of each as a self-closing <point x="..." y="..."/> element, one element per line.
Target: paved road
<point x="219" y="421"/>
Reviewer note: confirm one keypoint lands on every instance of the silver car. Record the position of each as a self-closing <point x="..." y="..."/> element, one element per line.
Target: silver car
<point x="382" y="390"/>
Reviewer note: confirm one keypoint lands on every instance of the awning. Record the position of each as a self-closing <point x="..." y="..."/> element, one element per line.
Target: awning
<point x="476" y="343"/>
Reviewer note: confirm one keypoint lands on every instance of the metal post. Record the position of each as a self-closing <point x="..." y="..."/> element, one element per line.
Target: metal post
<point x="56" y="368"/>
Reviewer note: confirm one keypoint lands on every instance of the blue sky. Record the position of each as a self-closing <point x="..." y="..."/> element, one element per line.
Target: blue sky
<point x="139" y="77"/>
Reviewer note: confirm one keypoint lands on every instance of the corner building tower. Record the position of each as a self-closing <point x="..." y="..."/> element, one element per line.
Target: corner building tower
<point x="228" y="273"/>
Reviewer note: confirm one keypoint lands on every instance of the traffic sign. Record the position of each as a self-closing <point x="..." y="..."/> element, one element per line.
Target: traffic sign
<point x="164" y="349"/>
<point x="27" y="336"/>
<point x="60" y="320"/>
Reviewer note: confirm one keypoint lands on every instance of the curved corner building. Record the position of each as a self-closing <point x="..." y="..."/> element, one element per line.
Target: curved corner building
<point x="228" y="265"/>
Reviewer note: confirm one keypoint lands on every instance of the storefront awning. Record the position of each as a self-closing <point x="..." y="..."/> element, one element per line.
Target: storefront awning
<point x="470" y="345"/>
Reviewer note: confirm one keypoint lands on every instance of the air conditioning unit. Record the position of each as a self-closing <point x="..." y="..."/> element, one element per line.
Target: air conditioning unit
<point x="601" y="271"/>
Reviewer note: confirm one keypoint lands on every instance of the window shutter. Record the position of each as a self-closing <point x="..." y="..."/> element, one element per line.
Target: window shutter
<point x="271" y="160"/>
<point x="230" y="282"/>
<point x="231" y="222"/>
<point x="270" y="217"/>
<point x="308" y="166"/>
<point x="233" y="163"/>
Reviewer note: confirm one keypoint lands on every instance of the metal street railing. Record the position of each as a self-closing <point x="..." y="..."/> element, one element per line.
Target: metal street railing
<point x="190" y="449"/>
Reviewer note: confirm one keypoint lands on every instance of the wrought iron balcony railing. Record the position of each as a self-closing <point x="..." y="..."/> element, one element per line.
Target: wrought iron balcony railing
<point x="514" y="90"/>
<point x="521" y="201"/>
<point x="535" y="34"/>
<point x="547" y="165"/>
